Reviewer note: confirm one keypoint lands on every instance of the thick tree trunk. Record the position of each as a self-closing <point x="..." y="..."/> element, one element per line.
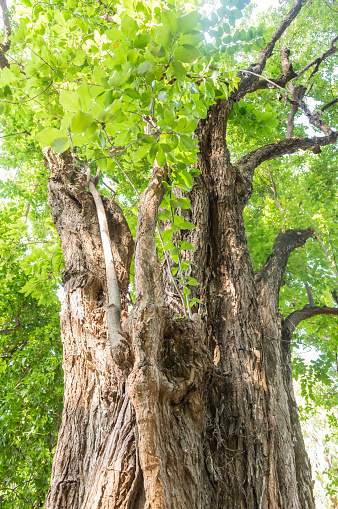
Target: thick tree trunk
<point x="204" y="415"/>
<point x="96" y="461"/>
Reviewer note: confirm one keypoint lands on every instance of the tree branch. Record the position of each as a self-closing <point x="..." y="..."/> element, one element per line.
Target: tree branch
<point x="315" y="120"/>
<point x="328" y="105"/>
<point x="297" y="96"/>
<point x="281" y="82"/>
<point x="274" y="190"/>
<point x="118" y="345"/>
<point x="145" y="253"/>
<point x="293" y="319"/>
<point x="309" y="295"/>
<point x="250" y="161"/>
<point x="288" y="72"/>
<point x="272" y="272"/>
<point x="248" y="82"/>
<point x="317" y="61"/>
<point x="9" y="331"/>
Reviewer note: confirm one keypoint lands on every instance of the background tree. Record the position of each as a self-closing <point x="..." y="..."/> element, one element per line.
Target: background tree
<point x="189" y="402"/>
<point x="31" y="374"/>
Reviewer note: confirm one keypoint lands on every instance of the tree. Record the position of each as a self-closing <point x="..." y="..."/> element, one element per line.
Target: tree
<point x="30" y="368"/>
<point x="178" y="386"/>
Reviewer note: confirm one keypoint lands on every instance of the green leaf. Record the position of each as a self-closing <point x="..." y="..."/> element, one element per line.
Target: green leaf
<point x="169" y="245"/>
<point x="186" y="246"/>
<point x="175" y="227"/>
<point x="167" y="234"/>
<point x="187" y="226"/>
<point x="84" y="96"/>
<point x="186" y="291"/>
<point x="114" y="34"/>
<point x="174" y="203"/>
<point x="70" y="100"/>
<point x="169" y="20"/>
<point x="80" y="122"/>
<point x="174" y="253"/>
<point x="192" y="281"/>
<point x="186" y="53"/>
<point x="194" y="300"/>
<point x="144" y="67"/>
<point x="192" y="39"/>
<point x="59" y="18"/>
<point x="178" y="70"/>
<point x="182" y="122"/>
<point x="187" y="142"/>
<point x="164" y="214"/>
<point x="226" y="28"/>
<point x="141" y="41"/>
<point x="118" y="78"/>
<point x="236" y="13"/>
<point x="162" y="96"/>
<point x="187" y="177"/>
<point x="188" y="22"/>
<point x="201" y="109"/>
<point x="184" y="203"/>
<point x="129" y="26"/>
<point x="166" y="186"/>
<point x="161" y="158"/>
<point x="60" y="144"/>
<point x="140" y="153"/>
<point x="48" y="135"/>
<point x="163" y="35"/>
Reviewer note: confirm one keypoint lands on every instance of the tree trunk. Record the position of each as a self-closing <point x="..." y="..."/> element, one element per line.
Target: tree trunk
<point x="203" y="414"/>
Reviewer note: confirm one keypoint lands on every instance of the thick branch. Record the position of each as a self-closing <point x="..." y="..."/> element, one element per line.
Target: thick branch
<point x="9" y="331"/>
<point x="309" y="295"/>
<point x="328" y="105"/>
<point x="274" y="268"/>
<point x="288" y="75"/>
<point x="293" y="320"/>
<point x="146" y="254"/>
<point x="250" y="161"/>
<point x="248" y="81"/>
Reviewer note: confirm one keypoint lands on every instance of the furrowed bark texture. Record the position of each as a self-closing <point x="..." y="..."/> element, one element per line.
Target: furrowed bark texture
<point x="204" y="417"/>
<point x="253" y="434"/>
<point x="96" y="459"/>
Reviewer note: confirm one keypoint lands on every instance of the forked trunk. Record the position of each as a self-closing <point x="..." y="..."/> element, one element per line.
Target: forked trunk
<point x="202" y="415"/>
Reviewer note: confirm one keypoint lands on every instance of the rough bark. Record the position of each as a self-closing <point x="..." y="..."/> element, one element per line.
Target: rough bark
<point x="252" y="432"/>
<point x="198" y="413"/>
<point x="96" y="458"/>
<point x="206" y="415"/>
